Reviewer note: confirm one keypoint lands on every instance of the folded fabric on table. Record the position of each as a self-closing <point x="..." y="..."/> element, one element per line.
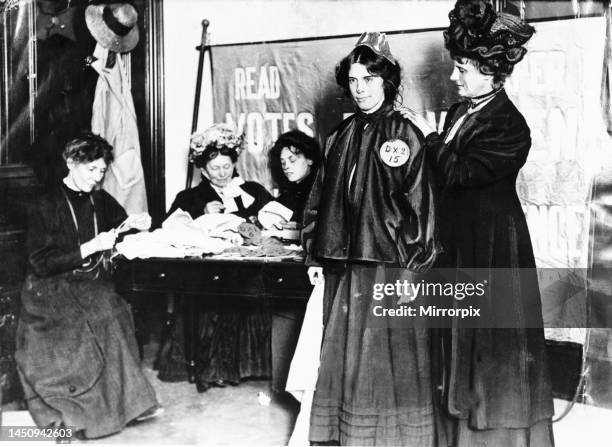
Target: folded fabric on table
<point x="178" y="218"/>
<point x="170" y="243"/>
<point x="217" y="224"/>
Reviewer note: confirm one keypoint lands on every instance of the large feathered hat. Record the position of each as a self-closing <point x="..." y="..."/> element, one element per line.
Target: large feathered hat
<point x="219" y="135"/>
<point x="476" y="31"/>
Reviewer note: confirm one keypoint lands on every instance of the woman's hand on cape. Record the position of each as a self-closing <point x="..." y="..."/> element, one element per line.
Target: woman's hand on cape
<point x="417" y="119"/>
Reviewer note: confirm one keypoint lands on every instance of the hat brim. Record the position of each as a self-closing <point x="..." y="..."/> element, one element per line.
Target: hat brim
<point x="104" y="36"/>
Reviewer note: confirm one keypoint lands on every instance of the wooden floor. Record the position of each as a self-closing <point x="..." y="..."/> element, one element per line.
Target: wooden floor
<point x="237" y="416"/>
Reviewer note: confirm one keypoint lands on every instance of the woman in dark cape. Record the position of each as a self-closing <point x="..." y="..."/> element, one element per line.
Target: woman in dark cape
<point x="370" y="220"/>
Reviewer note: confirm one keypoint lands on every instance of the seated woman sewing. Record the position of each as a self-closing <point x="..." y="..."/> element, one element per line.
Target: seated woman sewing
<point x="222" y="190"/>
<point x="235" y="337"/>
<point x="76" y="350"/>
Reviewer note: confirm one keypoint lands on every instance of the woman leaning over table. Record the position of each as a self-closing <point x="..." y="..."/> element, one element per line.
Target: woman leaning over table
<point x="76" y="351"/>
<point x="371" y="219"/>
<point x="497" y="389"/>
<point x="294" y="161"/>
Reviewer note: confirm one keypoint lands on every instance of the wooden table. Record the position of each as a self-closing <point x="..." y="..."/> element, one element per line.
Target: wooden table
<point x="197" y="280"/>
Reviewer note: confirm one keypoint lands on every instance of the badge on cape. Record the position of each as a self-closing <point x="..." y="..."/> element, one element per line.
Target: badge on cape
<point x="394" y="153"/>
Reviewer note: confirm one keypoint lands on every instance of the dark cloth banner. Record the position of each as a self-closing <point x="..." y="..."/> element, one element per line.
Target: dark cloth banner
<point x="267" y="89"/>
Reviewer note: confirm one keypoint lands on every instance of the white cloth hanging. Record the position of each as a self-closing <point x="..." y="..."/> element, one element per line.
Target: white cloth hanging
<point x="304" y="369"/>
<point x="114" y="118"/>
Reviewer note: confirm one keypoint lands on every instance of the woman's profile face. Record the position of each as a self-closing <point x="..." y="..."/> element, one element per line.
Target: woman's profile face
<point x="86" y="175"/>
<point x="366" y="88"/>
<point x="219" y="170"/>
<point x="469" y="80"/>
<point x="295" y="165"/>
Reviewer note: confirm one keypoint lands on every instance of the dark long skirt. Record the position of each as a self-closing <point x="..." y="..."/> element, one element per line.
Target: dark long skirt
<point x="455" y="431"/>
<point x="459" y="433"/>
<point x="374" y="385"/>
<point x="234" y="344"/>
<point x="77" y="355"/>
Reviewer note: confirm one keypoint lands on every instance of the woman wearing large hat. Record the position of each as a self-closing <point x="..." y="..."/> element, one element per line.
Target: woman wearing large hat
<point x="496" y="384"/>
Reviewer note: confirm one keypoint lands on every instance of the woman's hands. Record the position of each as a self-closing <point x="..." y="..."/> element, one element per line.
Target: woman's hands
<point x="103" y="241"/>
<point x="417" y="120"/>
<point x="274" y="221"/>
<point x="291" y="225"/>
<point x="140" y="222"/>
<point x="271" y="220"/>
<point x="106" y="240"/>
<point x="214" y="207"/>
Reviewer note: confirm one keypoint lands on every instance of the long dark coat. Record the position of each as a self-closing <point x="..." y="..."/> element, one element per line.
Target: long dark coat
<point x="496" y="378"/>
<point x="76" y="351"/>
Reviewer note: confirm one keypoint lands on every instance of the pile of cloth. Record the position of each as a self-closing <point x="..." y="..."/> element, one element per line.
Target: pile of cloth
<point x="181" y="236"/>
<point x="258" y="243"/>
<point x="226" y="235"/>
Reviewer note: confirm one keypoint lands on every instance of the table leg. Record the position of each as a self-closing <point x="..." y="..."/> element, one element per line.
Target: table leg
<point x="191" y="335"/>
<point x="169" y="323"/>
<point x="134" y="301"/>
